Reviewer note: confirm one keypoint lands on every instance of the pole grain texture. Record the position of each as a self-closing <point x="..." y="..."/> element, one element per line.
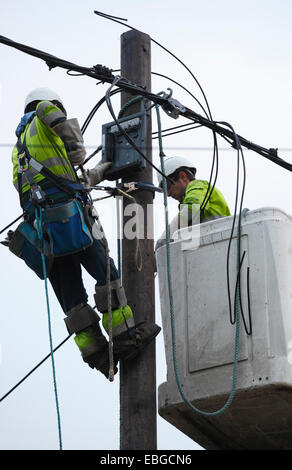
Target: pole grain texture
<point x="138" y="421"/>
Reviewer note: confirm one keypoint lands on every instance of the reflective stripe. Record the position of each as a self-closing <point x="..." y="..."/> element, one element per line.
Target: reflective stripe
<point x="45" y="147"/>
<point x="117" y="330"/>
<point x="32" y="128"/>
<point x="55" y="161"/>
<point x="121" y="317"/>
<point x="51" y="116"/>
<point x="41" y="108"/>
<point x="35" y="174"/>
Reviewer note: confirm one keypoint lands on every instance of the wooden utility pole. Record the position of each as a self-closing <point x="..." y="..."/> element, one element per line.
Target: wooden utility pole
<point x="138" y="429"/>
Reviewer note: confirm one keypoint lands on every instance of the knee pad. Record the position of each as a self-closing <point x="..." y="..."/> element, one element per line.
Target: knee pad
<point x="81" y="317"/>
<point x="118" y="296"/>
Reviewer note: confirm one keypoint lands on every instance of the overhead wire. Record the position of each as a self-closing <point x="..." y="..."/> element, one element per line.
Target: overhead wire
<point x="118" y="20"/>
<point x="33" y="369"/>
<point x="240" y="212"/>
<point x="172" y="316"/>
<point x="208" y="114"/>
<point x="108" y="101"/>
<point x="105" y="75"/>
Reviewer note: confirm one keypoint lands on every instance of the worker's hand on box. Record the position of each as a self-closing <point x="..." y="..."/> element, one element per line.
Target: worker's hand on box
<point x="95" y="175"/>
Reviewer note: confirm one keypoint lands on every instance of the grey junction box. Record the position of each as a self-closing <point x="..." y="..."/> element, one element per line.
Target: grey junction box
<point x="260" y="415"/>
<point x="117" y="150"/>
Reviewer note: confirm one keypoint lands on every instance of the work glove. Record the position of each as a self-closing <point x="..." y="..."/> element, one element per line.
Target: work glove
<point x="95" y="175"/>
<point x="7" y="240"/>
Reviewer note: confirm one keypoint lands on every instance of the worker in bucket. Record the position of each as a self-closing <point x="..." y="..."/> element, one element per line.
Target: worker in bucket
<point x="194" y="207"/>
<point x="56" y="205"/>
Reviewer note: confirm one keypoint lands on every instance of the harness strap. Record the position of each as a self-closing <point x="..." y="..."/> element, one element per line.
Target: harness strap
<point x="25" y="158"/>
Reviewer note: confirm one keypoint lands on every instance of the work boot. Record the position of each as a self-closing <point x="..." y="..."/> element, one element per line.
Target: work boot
<point x="130" y="343"/>
<point x="95" y="349"/>
<point x="100" y="361"/>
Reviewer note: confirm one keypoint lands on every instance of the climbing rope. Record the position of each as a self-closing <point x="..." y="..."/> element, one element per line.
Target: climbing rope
<point x="171" y="303"/>
<point x="38" y="216"/>
<point x="109" y="301"/>
<point x="109" y="308"/>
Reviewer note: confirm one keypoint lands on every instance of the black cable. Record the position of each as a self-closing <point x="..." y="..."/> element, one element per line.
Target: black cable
<point x="99" y="148"/>
<point x="181" y="86"/>
<point x="94" y="110"/>
<point x="215" y="152"/>
<point x="11" y="223"/>
<point x="34" y="369"/>
<point x="248" y="300"/>
<point x="215" y="159"/>
<point x="104" y="74"/>
<point x="108" y="101"/>
<point x="238" y="284"/>
<point x="116" y="20"/>
<point x="172" y="128"/>
<point x="177" y="132"/>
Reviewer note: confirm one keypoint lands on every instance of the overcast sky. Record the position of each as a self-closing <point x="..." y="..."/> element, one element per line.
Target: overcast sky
<point x="240" y="53"/>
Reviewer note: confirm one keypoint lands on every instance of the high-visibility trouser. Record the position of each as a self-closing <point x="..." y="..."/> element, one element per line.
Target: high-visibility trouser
<point x="122" y="320"/>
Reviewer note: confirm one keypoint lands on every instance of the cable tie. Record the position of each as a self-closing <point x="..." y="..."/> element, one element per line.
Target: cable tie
<point x="101" y="69"/>
<point x="274" y="152"/>
<point x="51" y="65"/>
<point x="235" y="145"/>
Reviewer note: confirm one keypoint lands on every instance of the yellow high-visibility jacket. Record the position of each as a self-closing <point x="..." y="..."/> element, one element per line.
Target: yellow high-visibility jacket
<point x="43" y="144"/>
<point x="195" y="194"/>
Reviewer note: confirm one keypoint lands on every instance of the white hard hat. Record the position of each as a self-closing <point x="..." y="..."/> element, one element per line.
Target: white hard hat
<point x="171" y="164"/>
<point x="41" y="94"/>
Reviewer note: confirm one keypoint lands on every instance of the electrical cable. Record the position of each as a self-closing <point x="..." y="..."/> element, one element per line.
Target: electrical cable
<point x="34" y="369"/>
<point x="115" y="19"/>
<point x="177" y="132"/>
<point x="184" y="88"/>
<point x="95" y="109"/>
<point x="215" y="152"/>
<point x="172" y="128"/>
<point x="11" y="223"/>
<point x="105" y="75"/>
<point x="240" y="213"/>
<point x="171" y="305"/>
<point x="108" y="101"/>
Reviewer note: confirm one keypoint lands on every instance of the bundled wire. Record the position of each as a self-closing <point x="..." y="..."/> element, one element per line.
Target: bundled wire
<point x="108" y="101"/>
<point x="207" y="113"/>
<point x="105" y="75"/>
<point x="172" y="317"/>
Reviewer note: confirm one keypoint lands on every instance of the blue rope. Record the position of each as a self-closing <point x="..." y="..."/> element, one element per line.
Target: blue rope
<point x="40" y="235"/>
<point x="171" y="305"/>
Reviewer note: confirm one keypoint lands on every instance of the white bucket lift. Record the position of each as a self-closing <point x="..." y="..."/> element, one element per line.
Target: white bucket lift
<point x="260" y="415"/>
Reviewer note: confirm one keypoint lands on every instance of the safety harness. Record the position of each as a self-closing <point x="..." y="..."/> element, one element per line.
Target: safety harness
<point x="37" y="195"/>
